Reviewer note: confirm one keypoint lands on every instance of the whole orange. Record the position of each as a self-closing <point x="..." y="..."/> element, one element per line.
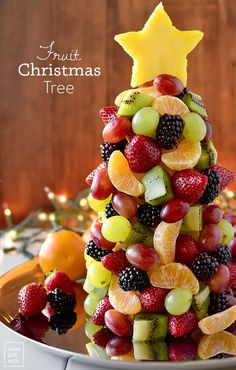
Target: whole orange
<point x="64" y="251"/>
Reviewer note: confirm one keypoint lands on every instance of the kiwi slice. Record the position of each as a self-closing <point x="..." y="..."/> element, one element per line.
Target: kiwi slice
<point x="138" y="234"/>
<point x="151" y="351"/>
<point x="208" y="156"/>
<point x="154" y="184"/>
<point x="194" y="103"/>
<point x="201" y="301"/>
<point x="95" y="351"/>
<point x="149" y="327"/>
<point x="193" y="220"/>
<point x="133" y="101"/>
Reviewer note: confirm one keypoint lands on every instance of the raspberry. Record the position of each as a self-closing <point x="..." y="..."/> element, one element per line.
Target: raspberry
<point x="90" y="177"/>
<point x="189" y="185"/>
<point x="61" y="322"/>
<point x="181" y="325"/>
<point x="186" y="249"/>
<point x="58" y="279"/>
<point x="169" y="130"/>
<point x="32" y="299"/>
<point x="213" y="187"/>
<point x="222" y="254"/>
<point x="96" y="252"/>
<point x="107" y="113"/>
<point x="204" y="266"/>
<point x="182" y="349"/>
<point x="115" y="262"/>
<point x="152" y="299"/>
<point x="102" y="337"/>
<point x="108" y="148"/>
<point x="149" y="215"/>
<point x="61" y="301"/>
<point x="226" y="176"/>
<point x="103" y="306"/>
<point x="219" y="303"/>
<point x="110" y="210"/>
<point x="142" y="153"/>
<point x="132" y="278"/>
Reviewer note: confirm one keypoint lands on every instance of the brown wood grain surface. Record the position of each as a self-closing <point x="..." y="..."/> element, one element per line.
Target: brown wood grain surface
<point x="54" y="139"/>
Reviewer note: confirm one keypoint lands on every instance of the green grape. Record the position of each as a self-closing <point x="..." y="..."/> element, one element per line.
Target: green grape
<point x="194" y="127"/>
<point x="98" y="205"/>
<point x="91" y="328"/>
<point x="99" y="292"/>
<point x="89" y="262"/>
<point x="90" y="304"/>
<point x="227" y="231"/>
<point x="116" y="229"/>
<point x="178" y="301"/>
<point x="88" y="287"/>
<point x="145" y="122"/>
<point x="98" y="275"/>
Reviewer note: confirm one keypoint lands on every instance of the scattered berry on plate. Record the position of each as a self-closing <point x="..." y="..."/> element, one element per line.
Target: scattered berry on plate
<point x="32" y="299"/>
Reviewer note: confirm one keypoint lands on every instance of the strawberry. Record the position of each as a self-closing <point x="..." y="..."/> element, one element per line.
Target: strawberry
<point x="18" y="325"/>
<point x="102" y="337"/>
<point x="232" y="273"/>
<point x="58" y="279"/>
<point x="152" y="299"/>
<point x="182" y="349"/>
<point x="90" y="177"/>
<point x="189" y="185"/>
<point x="32" y="299"/>
<point x="38" y="326"/>
<point x="186" y="249"/>
<point x="142" y="153"/>
<point x="102" y="307"/>
<point x="226" y="176"/>
<point x="107" y="113"/>
<point x="115" y="262"/>
<point x="182" y="325"/>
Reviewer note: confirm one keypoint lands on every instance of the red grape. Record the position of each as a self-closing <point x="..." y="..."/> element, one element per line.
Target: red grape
<point x="232" y="247"/>
<point x="118" y="323"/>
<point x="168" y="85"/>
<point x="230" y="216"/>
<point x="147" y="84"/>
<point x="231" y="300"/>
<point x="97" y="236"/>
<point x="212" y="214"/>
<point x="125" y="205"/>
<point x="174" y="210"/>
<point x="101" y="186"/>
<point x="118" y="346"/>
<point x="208" y="131"/>
<point x="218" y="283"/>
<point x="142" y="256"/>
<point x="116" y="130"/>
<point x="210" y="238"/>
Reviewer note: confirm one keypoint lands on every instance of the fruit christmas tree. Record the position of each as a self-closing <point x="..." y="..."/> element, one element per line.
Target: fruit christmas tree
<point x="159" y="271"/>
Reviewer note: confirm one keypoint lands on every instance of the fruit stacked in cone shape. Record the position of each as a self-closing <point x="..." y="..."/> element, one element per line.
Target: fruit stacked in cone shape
<point x="158" y="263"/>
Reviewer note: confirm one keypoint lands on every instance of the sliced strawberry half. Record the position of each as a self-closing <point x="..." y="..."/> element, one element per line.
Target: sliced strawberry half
<point x="90" y="177"/>
<point x="226" y="176"/>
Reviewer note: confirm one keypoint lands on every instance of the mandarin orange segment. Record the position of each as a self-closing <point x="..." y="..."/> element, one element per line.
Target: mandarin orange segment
<point x="124" y="302"/>
<point x="164" y="240"/>
<point x="212" y="345"/>
<point x="122" y="177"/>
<point x="218" y="322"/>
<point x="185" y="156"/>
<point x="167" y="104"/>
<point x="174" y="275"/>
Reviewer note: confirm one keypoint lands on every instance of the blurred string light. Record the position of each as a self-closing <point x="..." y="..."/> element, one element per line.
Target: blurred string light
<point x="74" y="214"/>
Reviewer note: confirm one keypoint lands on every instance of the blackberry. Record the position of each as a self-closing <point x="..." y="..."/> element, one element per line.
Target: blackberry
<point x="222" y="254"/>
<point x="169" y="130"/>
<point x="61" y="301"/>
<point x="213" y="186"/>
<point x="108" y="148"/>
<point x="204" y="266"/>
<point x="222" y="355"/>
<point x="219" y="303"/>
<point x="96" y="252"/>
<point x="181" y="95"/>
<point x="132" y="278"/>
<point x="149" y="215"/>
<point x="110" y="210"/>
<point x="61" y="322"/>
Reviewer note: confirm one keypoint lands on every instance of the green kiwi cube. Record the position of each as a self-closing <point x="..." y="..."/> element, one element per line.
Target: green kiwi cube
<point x="208" y="156"/>
<point x="133" y="101"/>
<point x="154" y="183"/>
<point x="95" y="351"/>
<point x="139" y="234"/>
<point x="149" y="327"/>
<point x="151" y="351"/>
<point x="193" y="220"/>
<point x="195" y="104"/>
<point x="169" y="193"/>
<point x="201" y="301"/>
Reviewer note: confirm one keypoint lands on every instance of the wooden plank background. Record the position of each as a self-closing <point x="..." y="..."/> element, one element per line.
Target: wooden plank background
<point x="53" y="139"/>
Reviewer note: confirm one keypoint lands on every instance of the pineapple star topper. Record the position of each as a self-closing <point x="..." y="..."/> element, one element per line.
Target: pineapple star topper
<point x="158" y="48"/>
